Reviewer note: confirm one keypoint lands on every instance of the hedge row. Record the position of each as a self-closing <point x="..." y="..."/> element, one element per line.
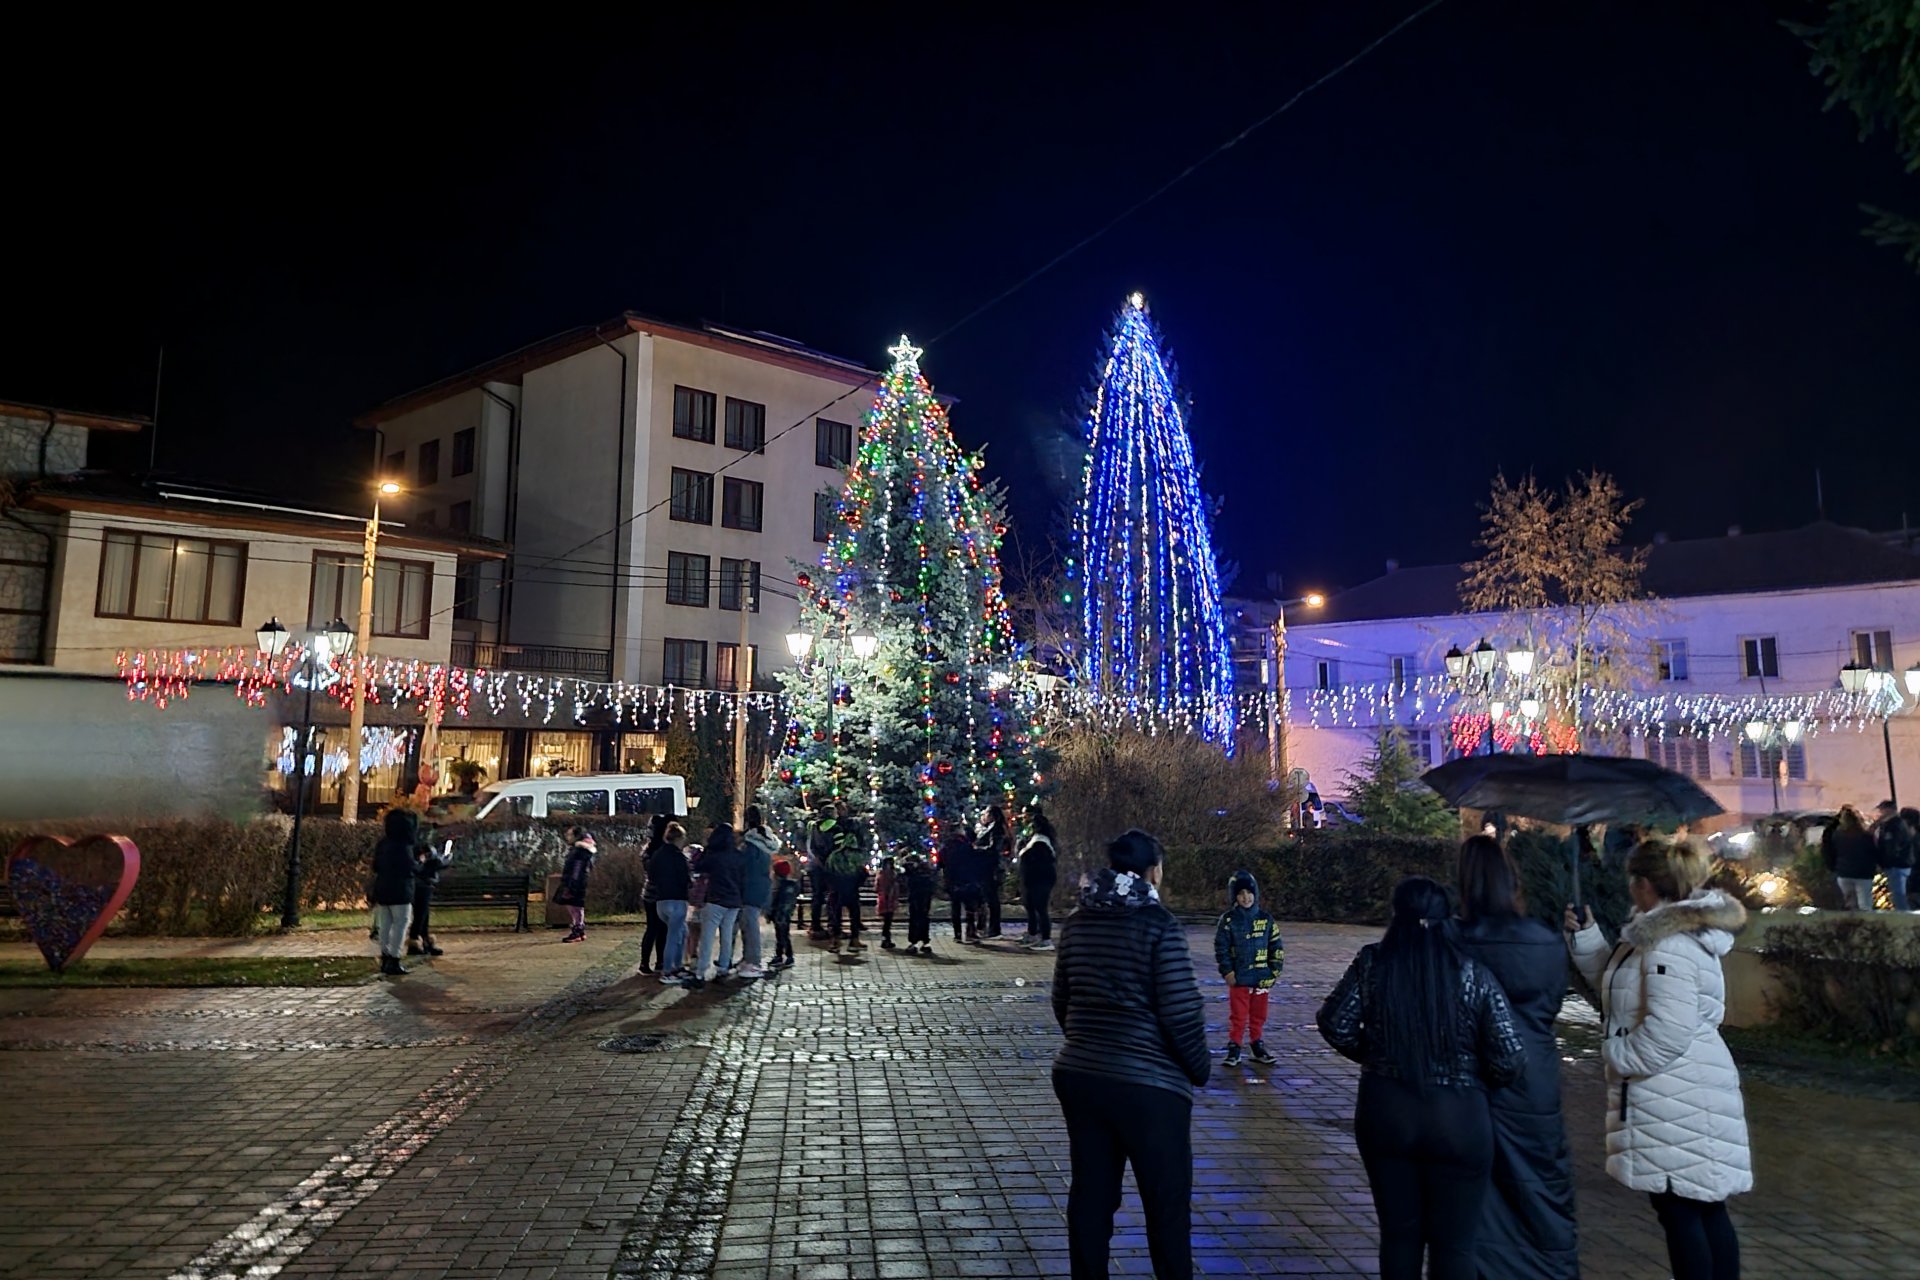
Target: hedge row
<point x="1336" y="877"/>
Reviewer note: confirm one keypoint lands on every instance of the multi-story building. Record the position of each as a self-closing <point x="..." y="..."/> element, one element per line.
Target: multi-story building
<point x="652" y="479"/>
<point x="1734" y="622"/>
<point x="94" y="567"/>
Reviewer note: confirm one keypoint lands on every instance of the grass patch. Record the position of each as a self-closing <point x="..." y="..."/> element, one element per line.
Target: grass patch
<point x="193" y="971"/>
<point x="499" y="918"/>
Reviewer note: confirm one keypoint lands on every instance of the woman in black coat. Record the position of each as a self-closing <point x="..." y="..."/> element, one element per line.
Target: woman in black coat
<point x="573" y="881"/>
<point x="1527" y="1227"/>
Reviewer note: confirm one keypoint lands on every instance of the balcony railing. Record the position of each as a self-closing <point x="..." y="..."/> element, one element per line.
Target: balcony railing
<point x="546" y="659"/>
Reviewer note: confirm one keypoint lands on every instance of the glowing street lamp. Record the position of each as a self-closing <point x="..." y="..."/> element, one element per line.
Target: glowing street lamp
<point x="335" y="638"/>
<point x="865" y="646"/>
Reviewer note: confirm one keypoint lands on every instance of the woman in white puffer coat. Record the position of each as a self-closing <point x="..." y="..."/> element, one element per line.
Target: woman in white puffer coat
<point x="1676" y="1125"/>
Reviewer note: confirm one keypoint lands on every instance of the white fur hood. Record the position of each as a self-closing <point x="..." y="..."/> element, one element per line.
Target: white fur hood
<point x="1712" y="916"/>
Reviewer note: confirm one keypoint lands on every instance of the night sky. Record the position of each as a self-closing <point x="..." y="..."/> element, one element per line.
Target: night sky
<point x="1521" y="236"/>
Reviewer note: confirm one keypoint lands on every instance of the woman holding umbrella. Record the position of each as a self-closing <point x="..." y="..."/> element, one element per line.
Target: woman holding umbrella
<point x="1676" y="1124"/>
<point x="1527" y="1219"/>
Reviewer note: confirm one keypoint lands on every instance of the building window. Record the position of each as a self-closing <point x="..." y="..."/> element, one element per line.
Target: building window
<point x="162" y="578"/>
<point x="402" y="593"/>
<point x="693" y="414"/>
<point x="724" y="655"/>
<point x="686" y="664"/>
<point x="746" y="425"/>
<point x="1419" y="745"/>
<point x="429" y="463"/>
<point x="396" y="466"/>
<point x="1764" y="762"/>
<point x="832" y="443"/>
<point x="1873" y="649"/>
<point x="823" y="516"/>
<point x="692" y="496"/>
<point x="1672" y="657"/>
<point x="1326" y="674"/>
<point x="687" y="579"/>
<point x="466" y="593"/>
<point x="740" y="504"/>
<point x="1681" y="752"/>
<point x="1400" y="671"/>
<point x="1759" y="657"/>
<point x="460" y="517"/>
<point x="738" y="578"/>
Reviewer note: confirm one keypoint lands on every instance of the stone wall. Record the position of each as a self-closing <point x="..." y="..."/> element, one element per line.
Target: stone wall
<point x="20" y="447"/>
<point x="23" y="586"/>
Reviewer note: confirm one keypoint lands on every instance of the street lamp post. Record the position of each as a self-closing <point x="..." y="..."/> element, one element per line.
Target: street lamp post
<point x="1475" y="668"/>
<point x="864" y="646"/>
<point x="1277" y="691"/>
<point x="1883" y="693"/>
<point x="1768" y="737"/>
<point x="336" y="638"/>
<point x="362" y="636"/>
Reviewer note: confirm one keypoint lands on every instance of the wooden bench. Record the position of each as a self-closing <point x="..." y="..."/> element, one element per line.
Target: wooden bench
<point x="486" y="891"/>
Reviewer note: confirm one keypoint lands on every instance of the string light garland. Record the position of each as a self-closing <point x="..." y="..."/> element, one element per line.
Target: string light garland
<point x="1153" y="631"/>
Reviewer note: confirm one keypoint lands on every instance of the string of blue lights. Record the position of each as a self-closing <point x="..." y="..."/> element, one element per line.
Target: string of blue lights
<point x="1153" y="631"/>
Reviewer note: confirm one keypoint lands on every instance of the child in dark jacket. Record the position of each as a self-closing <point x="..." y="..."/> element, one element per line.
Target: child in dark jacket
<point x="1248" y="950"/>
<point x="920" y="885"/>
<point x="786" y="897"/>
<point x="886" y="891"/>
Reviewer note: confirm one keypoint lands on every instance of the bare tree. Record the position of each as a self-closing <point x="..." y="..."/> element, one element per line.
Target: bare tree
<point x="1553" y="562"/>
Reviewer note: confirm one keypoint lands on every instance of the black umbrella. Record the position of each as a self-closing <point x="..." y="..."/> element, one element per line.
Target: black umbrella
<point x="1576" y="790"/>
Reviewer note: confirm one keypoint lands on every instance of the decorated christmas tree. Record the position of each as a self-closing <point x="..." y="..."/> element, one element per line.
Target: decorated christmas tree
<point x="1153" y="635"/>
<point x="902" y="702"/>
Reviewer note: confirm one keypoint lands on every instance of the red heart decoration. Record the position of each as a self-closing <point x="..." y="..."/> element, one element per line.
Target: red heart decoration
<point x="67" y="891"/>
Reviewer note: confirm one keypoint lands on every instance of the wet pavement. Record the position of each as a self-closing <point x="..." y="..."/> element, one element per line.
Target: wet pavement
<point x="524" y="1109"/>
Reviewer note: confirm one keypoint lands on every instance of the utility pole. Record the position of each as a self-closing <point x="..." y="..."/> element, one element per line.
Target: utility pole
<point x="357" y="667"/>
<point x="747" y="598"/>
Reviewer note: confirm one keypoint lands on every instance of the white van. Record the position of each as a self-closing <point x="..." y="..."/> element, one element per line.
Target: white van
<point x="597" y="794"/>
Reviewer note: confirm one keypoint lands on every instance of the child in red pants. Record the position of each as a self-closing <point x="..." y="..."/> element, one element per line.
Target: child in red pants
<point x="1248" y="950"/>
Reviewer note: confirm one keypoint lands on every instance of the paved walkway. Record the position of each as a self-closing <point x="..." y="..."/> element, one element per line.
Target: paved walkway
<point x="526" y="1109"/>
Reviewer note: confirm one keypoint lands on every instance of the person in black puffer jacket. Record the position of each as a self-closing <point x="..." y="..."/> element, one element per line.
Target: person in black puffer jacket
<point x="1431" y="1030"/>
<point x="1847" y="848"/>
<point x="393" y="886"/>
<point x="1893" y="847"/>
<point x="1125" y="994"/>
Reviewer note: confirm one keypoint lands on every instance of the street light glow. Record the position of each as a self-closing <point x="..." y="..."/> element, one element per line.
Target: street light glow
<point x="1313" y="600"/>
<point x="865" y="646"/>
<point x="389" y="488"/>
<point x="799" y="642"/>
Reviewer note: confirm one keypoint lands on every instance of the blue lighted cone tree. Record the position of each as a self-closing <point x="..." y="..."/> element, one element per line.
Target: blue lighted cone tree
<point x="922" y="733"/>
<point x="1153" y="634"/>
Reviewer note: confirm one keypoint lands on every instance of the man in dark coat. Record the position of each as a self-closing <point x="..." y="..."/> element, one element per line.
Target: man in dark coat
<point x="393" y="886"/>
<point x="1893" y="848"/>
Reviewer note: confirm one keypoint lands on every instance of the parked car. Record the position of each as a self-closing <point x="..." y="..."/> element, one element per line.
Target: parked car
<point x="596" y="794"/>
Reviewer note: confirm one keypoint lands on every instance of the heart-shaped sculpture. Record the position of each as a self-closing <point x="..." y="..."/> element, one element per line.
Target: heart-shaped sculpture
<point x="67" y="891"/>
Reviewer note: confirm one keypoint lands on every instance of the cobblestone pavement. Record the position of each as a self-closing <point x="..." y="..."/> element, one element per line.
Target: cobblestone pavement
<point x="525" y="1109"/>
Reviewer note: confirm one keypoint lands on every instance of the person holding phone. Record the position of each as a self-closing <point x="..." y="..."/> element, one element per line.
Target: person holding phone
<point x="427" y="867"/>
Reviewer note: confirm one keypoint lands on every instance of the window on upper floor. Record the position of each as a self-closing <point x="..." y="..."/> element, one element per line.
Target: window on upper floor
<point x="1671" y="655"/>
<point x="1419" y="745"/>
<point x="687" y="579"/>
<point x="1764" y="762"/>
<point x="740" y="504"/>
<point x="428" y="470"/>
<point x="1402" y="672"/>
<point x="466" y="593"/>
<point x="832" y="443"/>
<point x="685" y="664"/>
<point x="161" y="578"/>
<point x="1680" y="751"/>
<point x="460" y="517"/>
<point x="1326" y="674"/>
<point x="463" y="443"/>
<point x="725" y="655"/>
<point x="738" y="579"/>
<point x="1759" y="658"/>
<point x="402" y="593"/>
<point x="823" y="516"/>
<point x="692" y="496"/>
<point x="746" y="425"/>
<point x="1873" y="649"/>
<point x="693" y="414"/>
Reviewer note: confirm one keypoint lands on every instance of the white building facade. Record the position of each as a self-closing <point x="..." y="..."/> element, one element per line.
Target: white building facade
<point x="1742" y="629"/>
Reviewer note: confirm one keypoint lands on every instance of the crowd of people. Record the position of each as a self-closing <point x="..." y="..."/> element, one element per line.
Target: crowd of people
<point x="1855" y="852"/>
<point x="1450" y="1017"/>
<point x="708" y="904"/>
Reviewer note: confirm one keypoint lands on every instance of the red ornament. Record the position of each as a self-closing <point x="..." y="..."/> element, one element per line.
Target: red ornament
<point x="786" y="775"/>
<point x="946" y="767"/>
<point x="819" y="735"/>
<point x="804" y="580"/>
<point x="895" y="596"/>
<point x="953" y="677"/>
